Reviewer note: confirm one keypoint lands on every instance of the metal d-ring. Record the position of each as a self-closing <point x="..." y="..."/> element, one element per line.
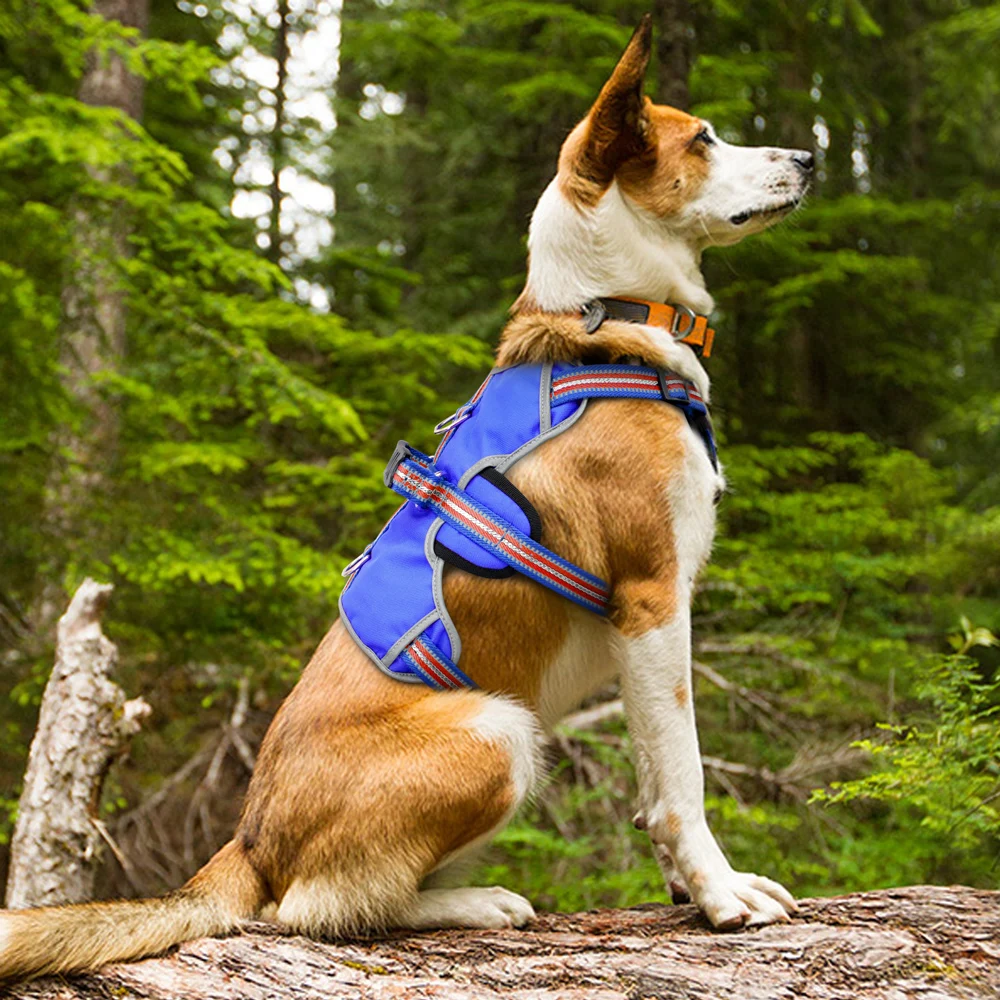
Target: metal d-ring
<point x="692" y="317"/>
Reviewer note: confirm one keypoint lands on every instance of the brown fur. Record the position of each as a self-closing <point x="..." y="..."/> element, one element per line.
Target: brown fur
<point x="536" y="337"/>
<point x="674" y="168"/>
<point x="681" y="693"/>
<point x="347" y="746"/>
<point x="650" y="149"/>
<point x="614" y="130"/>
<point x="54" y="939"/>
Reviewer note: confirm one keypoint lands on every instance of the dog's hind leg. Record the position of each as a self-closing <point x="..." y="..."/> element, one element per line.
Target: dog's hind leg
<point x="393" y="802"/>
<point x="438" y="904"/>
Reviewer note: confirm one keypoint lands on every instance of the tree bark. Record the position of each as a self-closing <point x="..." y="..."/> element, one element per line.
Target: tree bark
<point x="674" y="51"/>
<point x="277" y="141"/>
<point x="84" y="723"/>
<point x="94" y="304"/>
<point x="93" y="337"/>
<point x="925" y="942"/>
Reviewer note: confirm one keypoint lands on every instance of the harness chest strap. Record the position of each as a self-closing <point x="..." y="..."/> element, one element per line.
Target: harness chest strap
<point x="415" y="477"/>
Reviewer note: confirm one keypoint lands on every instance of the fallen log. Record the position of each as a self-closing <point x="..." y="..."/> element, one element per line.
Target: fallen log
<point x="917" y="943"/>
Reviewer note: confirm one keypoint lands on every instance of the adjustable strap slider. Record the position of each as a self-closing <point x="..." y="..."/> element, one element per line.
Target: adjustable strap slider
<point x="458" y="417"/>
<point x="674" y="389"/>
<point x="358" y="561"/>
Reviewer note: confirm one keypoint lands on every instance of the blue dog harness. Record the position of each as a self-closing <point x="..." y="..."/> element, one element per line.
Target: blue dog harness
<point x="461" y="509"/>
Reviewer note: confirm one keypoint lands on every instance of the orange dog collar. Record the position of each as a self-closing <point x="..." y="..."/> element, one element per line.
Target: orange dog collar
<point x="683" y="324"/>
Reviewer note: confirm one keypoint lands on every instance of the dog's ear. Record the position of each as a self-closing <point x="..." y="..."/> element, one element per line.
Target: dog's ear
<point x="618" y="125"/>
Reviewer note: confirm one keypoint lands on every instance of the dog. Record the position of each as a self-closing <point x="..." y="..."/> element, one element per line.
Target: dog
<point x="368" y="792"/>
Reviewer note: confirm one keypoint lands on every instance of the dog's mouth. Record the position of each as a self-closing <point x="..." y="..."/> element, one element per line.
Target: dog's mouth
<point x="784" y="208"/>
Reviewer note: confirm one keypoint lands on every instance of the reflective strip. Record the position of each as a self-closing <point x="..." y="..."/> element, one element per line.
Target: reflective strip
<point x="433" y="667"/>
<point x="500" y="537"/>
<point x="626" y="381"/>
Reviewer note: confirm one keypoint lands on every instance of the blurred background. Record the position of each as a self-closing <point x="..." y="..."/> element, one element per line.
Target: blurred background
<point x="245" y="245"/>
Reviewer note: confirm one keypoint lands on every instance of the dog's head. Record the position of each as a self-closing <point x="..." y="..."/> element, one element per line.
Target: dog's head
<point x="672" y="167"/>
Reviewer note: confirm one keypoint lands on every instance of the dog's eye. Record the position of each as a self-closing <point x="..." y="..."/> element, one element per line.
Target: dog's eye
<point x="704" y="136"/>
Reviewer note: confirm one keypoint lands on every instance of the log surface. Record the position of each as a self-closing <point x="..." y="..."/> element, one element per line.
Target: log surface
<point x="917" y="943"/>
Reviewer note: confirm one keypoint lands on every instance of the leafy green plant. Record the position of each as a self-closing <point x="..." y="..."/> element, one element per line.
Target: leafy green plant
<point x="946" y="763"/>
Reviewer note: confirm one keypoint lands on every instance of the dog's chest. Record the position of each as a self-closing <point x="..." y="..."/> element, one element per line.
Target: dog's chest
<point x="693" y="493"/>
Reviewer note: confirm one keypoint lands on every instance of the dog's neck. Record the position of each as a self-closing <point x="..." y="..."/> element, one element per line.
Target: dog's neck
<point x="578" y="254"/>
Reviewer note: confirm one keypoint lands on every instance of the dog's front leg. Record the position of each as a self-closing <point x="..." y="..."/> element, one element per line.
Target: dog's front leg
<point x="656" y="678"/>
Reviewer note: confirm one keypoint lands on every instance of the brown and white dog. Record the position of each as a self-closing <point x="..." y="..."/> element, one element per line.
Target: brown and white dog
<point x="367" y="791"/>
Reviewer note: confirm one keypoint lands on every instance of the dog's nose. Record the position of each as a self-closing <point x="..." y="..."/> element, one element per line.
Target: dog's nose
<point x="804" y="161"/>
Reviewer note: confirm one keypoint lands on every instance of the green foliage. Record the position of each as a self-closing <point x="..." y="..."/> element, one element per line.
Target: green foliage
<point x="947" y="768"/>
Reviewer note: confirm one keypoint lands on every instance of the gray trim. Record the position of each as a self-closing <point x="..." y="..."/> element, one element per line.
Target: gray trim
<point x="405" y="678"/>
<point x="503" y="462"/>
<point x="545" y="399"/>
<point x="408" y="636"/>
<point x="437" y="583"/>
<point x="552" y="432"/>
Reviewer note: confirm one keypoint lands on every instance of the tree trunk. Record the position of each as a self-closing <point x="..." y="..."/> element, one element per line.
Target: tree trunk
<point x="94" y="305"/>
<point x="83" y="725"/>
<point x="924" y="942"/>
<point x="803" y="374"/>
<point x="674" y="51"/>
<point x="93" y="338"/>
<point x="277" y="142"/>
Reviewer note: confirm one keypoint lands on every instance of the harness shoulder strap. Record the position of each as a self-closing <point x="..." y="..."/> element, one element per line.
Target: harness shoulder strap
<point x="632" y="382"/>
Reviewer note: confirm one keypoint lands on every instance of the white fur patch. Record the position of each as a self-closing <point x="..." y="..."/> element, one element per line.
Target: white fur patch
<point x="619" y="248"/>
<point x="587" y="659"/>
<point x="656" y="683"/>
<point x="614" y="248"/>
<point x="692" y="505"/>
<point x="4" y="934"/>
<point x="502" y="720"/>
<point x="338" y="905"/>
<point x="761" y="180"/>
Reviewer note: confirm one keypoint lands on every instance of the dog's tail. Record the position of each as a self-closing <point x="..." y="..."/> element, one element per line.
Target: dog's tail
<point x="86" y="936"/>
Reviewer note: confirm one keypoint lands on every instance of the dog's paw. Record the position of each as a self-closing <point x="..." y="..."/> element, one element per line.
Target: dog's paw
<point x="487" y="908"/>
<point x="741" y="899"/>
<point x="507" y="908"/>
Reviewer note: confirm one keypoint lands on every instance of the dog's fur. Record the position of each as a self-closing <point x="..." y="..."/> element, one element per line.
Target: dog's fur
<point x="367" y="791"/>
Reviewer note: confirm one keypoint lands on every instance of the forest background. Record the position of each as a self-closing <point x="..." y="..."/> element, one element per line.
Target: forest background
<point x="204" y="366"/>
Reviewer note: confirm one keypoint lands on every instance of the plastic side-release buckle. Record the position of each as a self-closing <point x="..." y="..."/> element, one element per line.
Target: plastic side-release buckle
<point x="401" y="454"/>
